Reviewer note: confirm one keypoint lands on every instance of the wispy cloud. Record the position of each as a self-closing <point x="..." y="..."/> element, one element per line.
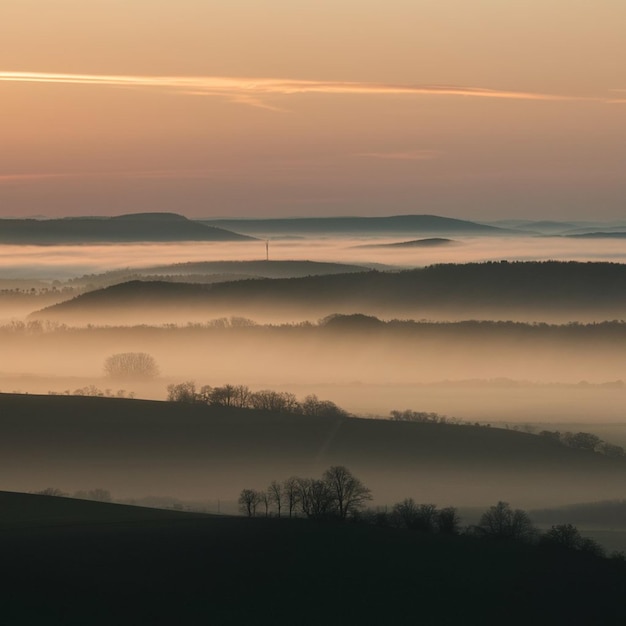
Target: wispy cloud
<point x="408" y="155"/>
<point x="251" y="91"/>
<point x="125" y="174"/>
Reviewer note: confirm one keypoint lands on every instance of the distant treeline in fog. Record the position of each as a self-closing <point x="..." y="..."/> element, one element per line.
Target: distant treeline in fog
<point x="344" y="323"/>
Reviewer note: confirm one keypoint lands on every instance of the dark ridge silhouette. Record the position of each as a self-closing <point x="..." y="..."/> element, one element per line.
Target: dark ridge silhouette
<point x="123" y="228"/>
<point x="432" y="242"/>
<point x="500" y="287"/>
<point x="402" y="224"/>
<point x="103" y="567"/>
<point x="599" y="235"/>
<point x="128" y="444"/>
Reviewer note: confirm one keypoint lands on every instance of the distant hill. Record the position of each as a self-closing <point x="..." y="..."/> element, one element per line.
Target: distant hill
<point x="431" y="242"/>
<point x="600" y="235"/>
<point x="93" y="565"/>
<point x="123" y="228"/>
<point x="396" y="224"/>
<point x="218" y="271"/>
<point x="135" y="447"/>
<point x="474" y="290"/>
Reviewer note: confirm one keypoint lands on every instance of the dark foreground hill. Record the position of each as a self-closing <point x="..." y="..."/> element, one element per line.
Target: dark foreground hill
<point x="134" y="566"/>
<point x="135" y="448"/>
<point x="123" y="228"/>
<point x="544" y="290"/>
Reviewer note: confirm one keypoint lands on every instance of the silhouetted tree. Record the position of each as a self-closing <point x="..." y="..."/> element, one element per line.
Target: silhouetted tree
<point x="204" y="395"/>
<point x="223" y="396"/>
<point x="448" y="521"/>
<point x="131" y="366"/>
<point x="563" y="535"/>
<point x="182" y="392"/>
<point x="51" y="491"/>
<point x="265" y="499"/>
<point x="568" y="537"/>
<point x="291" y="491"/>
<point x="349" y="493"/>
<point x="581" y="441"/>
<point x="405" y="513"/>
<point x="315" y="497"/>
<point x="248" y="501"/>
<point x="268" y="400"/>
<point x="275" y="491"/>
<point x="313" y="406"/>
<point x="504" y="522"/>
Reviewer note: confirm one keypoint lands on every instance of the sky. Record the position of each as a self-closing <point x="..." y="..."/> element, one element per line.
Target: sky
<point x="480" y="110"/>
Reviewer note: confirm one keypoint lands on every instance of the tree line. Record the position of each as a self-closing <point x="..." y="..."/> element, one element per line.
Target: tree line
<point x="340" y="495"/>
<point x="337" y="494"/>
<point x="242" y="397"/>
<point x="583" y="441"/>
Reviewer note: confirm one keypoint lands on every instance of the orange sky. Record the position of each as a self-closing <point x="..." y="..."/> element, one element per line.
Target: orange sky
<point x="482" y="109"/>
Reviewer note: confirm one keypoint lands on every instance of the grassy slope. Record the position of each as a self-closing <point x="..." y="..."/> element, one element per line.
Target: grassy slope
<point x="114" y="443"/>
<point x="162" y="568"/>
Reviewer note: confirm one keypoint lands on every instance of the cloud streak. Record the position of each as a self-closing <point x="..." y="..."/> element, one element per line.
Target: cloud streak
<point x="251" y="91"/>
<point x="409" y="155"/>
<point x="9" y="179"/>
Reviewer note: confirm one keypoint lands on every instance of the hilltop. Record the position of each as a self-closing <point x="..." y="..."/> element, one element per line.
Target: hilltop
<point x="346" y="226"/>
<point x="149" y="227"/>
<point x="217" y="271"/>
<point x="431" y="242"/>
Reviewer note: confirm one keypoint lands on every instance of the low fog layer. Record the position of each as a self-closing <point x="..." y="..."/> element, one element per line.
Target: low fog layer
<point x="56" y="262"/>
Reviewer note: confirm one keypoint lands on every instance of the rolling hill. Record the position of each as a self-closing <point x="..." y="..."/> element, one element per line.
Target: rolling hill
<point x="135" y="447"/>
<point x="108" y="564"/>
<point x="537" y="290"/>
<point x="347" y="226"/>
<point x="217" y="271"/>
<point x="431" y="242"/>
<point x="134" y="227"/>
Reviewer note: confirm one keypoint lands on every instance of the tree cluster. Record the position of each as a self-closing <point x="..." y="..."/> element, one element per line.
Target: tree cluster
<point x="131" y="366"/>
<point x="584" y="441"/>
<point x="424" y="517"/>
<point x="338" y="494"/>
<point x="241" y="396"/>
<point x="421" y="417"/>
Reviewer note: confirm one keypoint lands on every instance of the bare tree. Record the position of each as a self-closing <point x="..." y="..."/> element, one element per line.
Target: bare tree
<point x="204" y="395"/>
<point x="249" y="499"/>
<point x="183" y="392"/>
<point x="502" y="521"/>
<point x="316" y="498"/>
<point x="448" y="521"/>
<point x="265" y="500"/>
<point x="268" y="400"/>
<point x="349" y="493"/>
<point x="275" y="492"/>
<point x="223" y="396"/>
<point x="291" y="491"/>
<point x="131" y="366"/>
<point x="404" y="514"/>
